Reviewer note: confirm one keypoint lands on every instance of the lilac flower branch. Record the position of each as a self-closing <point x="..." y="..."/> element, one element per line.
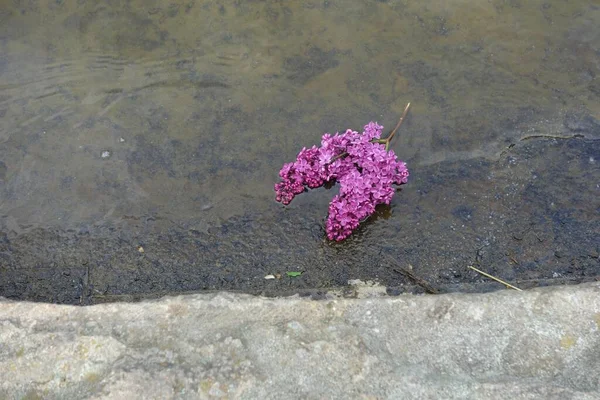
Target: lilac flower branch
<point x="359" y="162"/>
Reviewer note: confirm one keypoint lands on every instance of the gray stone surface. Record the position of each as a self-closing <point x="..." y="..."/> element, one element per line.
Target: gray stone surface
<point x="539" y="344"/>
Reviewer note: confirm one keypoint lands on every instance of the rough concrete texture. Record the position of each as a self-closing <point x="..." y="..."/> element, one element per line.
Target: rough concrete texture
<point x="538" y="344"/>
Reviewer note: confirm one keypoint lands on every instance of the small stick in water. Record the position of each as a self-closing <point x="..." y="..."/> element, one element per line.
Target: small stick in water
<point x="389" y="138"/>
<point x="496" y="279"/>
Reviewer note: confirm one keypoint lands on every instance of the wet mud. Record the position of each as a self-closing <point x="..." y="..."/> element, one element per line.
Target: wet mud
<point x="139" y="145"/>
<point x="532" y="227"/>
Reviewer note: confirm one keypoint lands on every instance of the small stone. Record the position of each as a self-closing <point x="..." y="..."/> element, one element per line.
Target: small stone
<point x="121" y="140"/>
<point x="140" y="249"/>
<point x="270" y="277"/>
<point x="105" y="154"/>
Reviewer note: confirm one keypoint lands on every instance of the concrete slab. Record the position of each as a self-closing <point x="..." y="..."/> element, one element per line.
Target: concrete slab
<point x="538" y="344"/>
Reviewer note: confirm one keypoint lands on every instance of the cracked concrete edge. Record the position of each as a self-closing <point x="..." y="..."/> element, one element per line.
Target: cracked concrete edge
<point x="542" y="343"/>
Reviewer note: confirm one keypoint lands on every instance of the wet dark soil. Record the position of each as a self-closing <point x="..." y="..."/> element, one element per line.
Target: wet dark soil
<point x="529" y="226"/>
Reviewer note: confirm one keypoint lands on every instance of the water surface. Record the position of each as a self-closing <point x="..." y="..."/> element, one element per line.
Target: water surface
<point x="163" y="125"/>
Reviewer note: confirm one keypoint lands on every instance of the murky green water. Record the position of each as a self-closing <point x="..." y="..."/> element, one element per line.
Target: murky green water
<point x="164" y="124"/>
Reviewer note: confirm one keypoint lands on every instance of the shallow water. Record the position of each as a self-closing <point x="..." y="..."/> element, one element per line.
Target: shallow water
<point x="164" y="124"/>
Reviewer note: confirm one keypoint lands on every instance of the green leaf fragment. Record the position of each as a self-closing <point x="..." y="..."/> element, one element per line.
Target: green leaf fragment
<point x="293" y="273"/>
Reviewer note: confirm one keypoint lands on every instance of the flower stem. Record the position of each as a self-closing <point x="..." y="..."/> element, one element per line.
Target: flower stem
<point x="385" y="141"/>
<point x="389" y="138"/>
<point x="344" y="154"/>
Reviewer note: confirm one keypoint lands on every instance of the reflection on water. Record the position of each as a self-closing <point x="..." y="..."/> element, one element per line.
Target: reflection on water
<point x="183" y="112"/>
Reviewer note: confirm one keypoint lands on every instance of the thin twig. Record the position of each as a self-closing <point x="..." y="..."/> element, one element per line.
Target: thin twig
<point x="410" y="275"/>
<point x="577" y="136"/>
<point x="389" y="138"/>
<point x="420" y="282"/>
<point x="496" y="279"/>
<point x="385" y="141"/>
<point x="344" y="154"/>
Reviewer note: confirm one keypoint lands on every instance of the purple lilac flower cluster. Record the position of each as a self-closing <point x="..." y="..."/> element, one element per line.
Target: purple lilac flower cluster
<point x="361" y="164"/>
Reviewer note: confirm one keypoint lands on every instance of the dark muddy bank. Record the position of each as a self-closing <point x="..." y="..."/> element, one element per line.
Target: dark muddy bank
<point x="530" y="217"/>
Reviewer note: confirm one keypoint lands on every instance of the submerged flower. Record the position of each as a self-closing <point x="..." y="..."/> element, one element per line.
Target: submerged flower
<point x="364" y="168"/>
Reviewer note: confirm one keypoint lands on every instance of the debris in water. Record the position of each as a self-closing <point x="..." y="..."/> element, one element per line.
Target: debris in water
<point x="494" y="278"/>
